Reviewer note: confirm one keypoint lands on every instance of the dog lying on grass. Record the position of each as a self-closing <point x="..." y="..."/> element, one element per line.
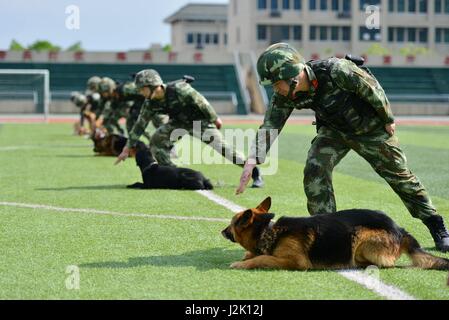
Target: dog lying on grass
<point x="156" y="176"/>
<point x="108" y="145"/>
<point x="346" y="239"/>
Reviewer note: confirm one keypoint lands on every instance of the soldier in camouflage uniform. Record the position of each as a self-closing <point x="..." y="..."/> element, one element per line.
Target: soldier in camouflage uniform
<point x="111" y="110"/>
<point x="128" y="93"/>
<point x="93" y="96"/>
<point x="353" y="113"/>
<point x="88" y="103"/>
<point x="184" y="106"/>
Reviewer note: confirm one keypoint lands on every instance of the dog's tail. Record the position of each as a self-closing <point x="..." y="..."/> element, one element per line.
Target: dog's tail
<point x="419" y="257"/>
<point x="208" y="185"/>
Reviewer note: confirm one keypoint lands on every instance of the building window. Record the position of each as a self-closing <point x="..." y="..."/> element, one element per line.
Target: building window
<point x="262" y="4"/>
<point x="346" y="33"/>
<point x="401" y="5"/>
<point x="297" y="33"/>
<point x="225" y="38"/>
<point x="446" y="6"/>
<point x="199" y="39"/>
<point x="438" y="6"/>
<point x="390" y="34"/>
<point x="346" y="5"/>
<point x="438" y="32"/>
<point x="323" y="33"/>
<point x="323" y="5"/>
<point x="366" y="3"/>
<point x="207" y="38"/>
<point x="297" y="4"/>
<point x="400" y="34"/>
<point x="190" y="38"/>
<point x="334" y="33"/>
<point x="335" y="5"/>
<point x="390" y="5"/>
<point x="274" y="5"/>
<point x="411" y="32"/>
<point x="423" y="35"/>
<point x="411" y="5"/>
<point x="366" y="34"/>
<point x="423" y="6"/>
<point x="312" y="32"/>
<point x="286" y="4"/>
<point x="285" y="32"/>
<point x="261" y="32"/>
<point x="312" y="4"/>
<point x="446" y="35"/>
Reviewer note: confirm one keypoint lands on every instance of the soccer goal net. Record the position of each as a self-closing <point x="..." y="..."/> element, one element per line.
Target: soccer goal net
<point x="24" y="91"/>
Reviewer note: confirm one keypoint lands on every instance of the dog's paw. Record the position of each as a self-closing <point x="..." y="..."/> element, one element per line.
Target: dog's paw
<point x="238" y="265"/>
<point x="248" y="255"/>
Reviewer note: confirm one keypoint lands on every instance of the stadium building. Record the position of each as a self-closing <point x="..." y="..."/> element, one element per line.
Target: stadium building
<point x="404" y="42"/>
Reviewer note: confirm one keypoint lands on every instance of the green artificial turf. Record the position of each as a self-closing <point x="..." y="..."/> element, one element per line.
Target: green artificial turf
<point x="130" y="257"/>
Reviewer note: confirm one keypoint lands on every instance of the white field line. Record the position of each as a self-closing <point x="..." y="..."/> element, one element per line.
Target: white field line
<point x="372" y="283"/>
<point x="109" y="213"/>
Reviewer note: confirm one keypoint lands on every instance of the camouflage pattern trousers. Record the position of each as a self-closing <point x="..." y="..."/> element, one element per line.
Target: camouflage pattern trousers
<point x="161" y="142"/>
<point x="385" y="156"/>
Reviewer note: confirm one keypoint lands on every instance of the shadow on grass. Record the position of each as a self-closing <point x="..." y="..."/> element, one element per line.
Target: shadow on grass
<point x="106" y="187"/>
<point x="210" y="259"/>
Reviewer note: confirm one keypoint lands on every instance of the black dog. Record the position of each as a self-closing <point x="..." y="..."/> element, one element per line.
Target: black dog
<point x="156" y="176"/>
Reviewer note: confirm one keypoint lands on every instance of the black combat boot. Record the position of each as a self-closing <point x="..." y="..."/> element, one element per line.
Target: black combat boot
<point x="257" y="179"/>
<point x="438" y="232"/>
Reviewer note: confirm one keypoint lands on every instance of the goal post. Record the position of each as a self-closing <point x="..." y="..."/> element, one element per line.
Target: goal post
<point x="25" y="91"/>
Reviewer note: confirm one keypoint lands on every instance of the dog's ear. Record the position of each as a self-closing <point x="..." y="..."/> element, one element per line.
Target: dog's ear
<point x="245" y="219"/>
<point x="265" y="205"/>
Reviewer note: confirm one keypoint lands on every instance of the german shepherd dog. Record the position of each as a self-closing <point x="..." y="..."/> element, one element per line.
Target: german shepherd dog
<point x="156" y="176"/>
<point x="109" y="145"/>
<point x="346" y="239"/>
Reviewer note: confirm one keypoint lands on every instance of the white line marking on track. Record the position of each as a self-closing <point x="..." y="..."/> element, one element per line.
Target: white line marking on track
<point x="372" y="283"/>
<point x="110" y="213"/>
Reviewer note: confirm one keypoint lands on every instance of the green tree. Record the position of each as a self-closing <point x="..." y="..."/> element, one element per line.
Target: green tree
<point x="167" y="48"/>
<point x="43" y="45"/>
<point x="76" y="47"/>
<point x="15" y="46"/>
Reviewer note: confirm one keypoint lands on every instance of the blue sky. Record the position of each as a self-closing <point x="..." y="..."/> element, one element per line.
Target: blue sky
<point x="104" y="25"/>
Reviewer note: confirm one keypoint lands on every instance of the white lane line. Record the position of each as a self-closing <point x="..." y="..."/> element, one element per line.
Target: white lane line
<point x="374" y="284"/>
<point x="370" y="282"/>
<point x="109" y="213"/>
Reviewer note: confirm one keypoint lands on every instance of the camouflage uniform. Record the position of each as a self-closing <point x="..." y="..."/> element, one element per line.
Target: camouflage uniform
<point x="111" y="110"/>
<point x="128" y="93"/>
<point x="184" y="105"/>
<point x="352" y="111"/>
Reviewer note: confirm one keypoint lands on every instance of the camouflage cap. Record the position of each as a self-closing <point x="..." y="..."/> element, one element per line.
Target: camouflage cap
<point x="279" y="62"/>
<point x="149" y="78"/>
<point x="106" y="85"/>
<point x="92" y="83"/>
